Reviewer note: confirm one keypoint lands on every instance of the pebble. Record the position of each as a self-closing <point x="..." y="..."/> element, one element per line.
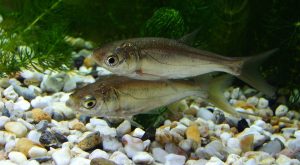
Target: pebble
<point x="273" y="147"/>
<point x="193" y="133"/>
<point x="53" y="83"/>
<point x="173" y="159"/>
<point x="186" y="144"/>
<point x="102" y="161"/>
<point x="143" y="158"/>
<point x="35" y="152"/>
<point x="17" y="128"/>
<point x="132" y="145"/>
<point x="235" y="93"/>
<point x="6" y="137"/>
<point x="24" y="145"/>
<point x="219" y="116"/>
<point x="98" y="122"/>
<point x="39" y="115"/>
<point x="138" y="133"/>
<point x="98" y="153"/>
<point x="41" y="102"/>
<point x="297" y="134"/>
<point x="9" y="93"/>
<point x="10" y="145"/>
<point x="28" y="93"/>
<point x="252" y="100"/>
<point x="281" y="110"/>
<point x="42" y="125"/>
<point x="21" y="105"/>
<point x="3" y="121"/>
<point x="80" y="161"/>
<point x="91" y="141"/>
<point x="61" y="108"/>
<point x="159" y="155"/>
<point x="62" y="156"/>
<point x="123" y="128"/>
<point x="111" y="143"/>
<point x="120" y="158"/>
<point x="69" y="84"/>
<point x="49" y="139"/>
<point x="205" y="114"/>
<point x="17" y="157"/>
<point x="262" y="103"/>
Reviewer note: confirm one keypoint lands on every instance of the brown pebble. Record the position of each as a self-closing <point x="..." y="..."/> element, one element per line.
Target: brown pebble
<point x="91" y="141"/>
<point x="247" y="143"/>
<point x="39" y="115"/>
<point x="102" y="161"/>
<point x="24" y="145"/>
<point x="79" y="126"/>
<point x="191" y="111"/>
<point x="192" y="132"/>
<point x="88" y="62"/>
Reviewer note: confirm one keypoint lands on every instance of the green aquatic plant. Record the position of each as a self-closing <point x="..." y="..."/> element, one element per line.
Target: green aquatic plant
<point x="32" y="44"/>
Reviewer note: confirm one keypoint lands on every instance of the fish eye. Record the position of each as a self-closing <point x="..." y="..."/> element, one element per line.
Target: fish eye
<point x="89" y="102"/>
<point x="112" y="60"/>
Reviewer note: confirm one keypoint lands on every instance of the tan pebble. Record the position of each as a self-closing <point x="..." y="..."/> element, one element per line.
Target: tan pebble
<point x="234" y="130"/>
<point x="192" y="132"/>
<point x="246" y="143"/>
<point x="276" y="129"/>
<point x="191" y="111"/>
<point x="91" y="141"/>
<point x="17" y="128"/>
<point x="79" y="126"/>
<point x="163" y="135"/>
<point x="24" y="145"/>
<point x="244" y="105"/>
<point x="88" y="62"/>
<point x="39" y="115"/>
<point x="102" y="161"/>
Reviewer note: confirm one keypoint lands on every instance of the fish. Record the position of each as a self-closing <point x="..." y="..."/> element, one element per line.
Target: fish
<point x="161" y="58"/>
<point x="122" y="97"/>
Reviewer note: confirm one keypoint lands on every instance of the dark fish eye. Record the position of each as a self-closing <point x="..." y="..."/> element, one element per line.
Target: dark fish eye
<point x="112" y="60"/>
<point x="89" y="102"/>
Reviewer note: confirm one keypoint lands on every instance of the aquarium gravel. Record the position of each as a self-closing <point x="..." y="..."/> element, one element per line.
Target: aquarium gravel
<point x="38" y="128"/>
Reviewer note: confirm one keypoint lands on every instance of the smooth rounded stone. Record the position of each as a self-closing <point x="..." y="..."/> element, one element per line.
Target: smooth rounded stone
<point x="253" y="100"/>
<point x="62" y="156"/>
<point x="234" y="145"/>
<point x="181" y="129"/>
<point x="102" y="161"/>
<point x="39" y="115"/>
<point x="225" y="136"/>
<point x="262" y="103"/>
<point x="98" y="122"/>
<point x="84" y="118"/>
<point x="196" y="162"/>
<point x="36" y="152"/>
<point x="41" y="102"/>
<point x="268" y="160"/>
<point x="297" y="134"/>
<point x="293" y="144"/>
<point x="48" y="139"/>
<point x="27" y="93"/>
<point x="214" y="148"/>
<point x="77" y="125"/>
<point x="10" y="145"/>
<point x="106" y="131"/>
<point x="138" y="133"/>
<point x="73" y="138"/>
<point x="288" y="132"/>
<point x="172" y="148"/>
<point x="159" y="154"/>
<point x="53" y="83"/>
<point x="192" y="132"/>
<point x="120" y="158"/>
<point x="123" y="128"/>
<point x="173" y="159"/>
<point x="215" y="161"/>
<point x="98" y="153"/>
<point x="282" y="159"/>
<point x="91" y="141"/>
<point x="17" y="157"/>
<point x="272" y="147"/>
<point x="21" y="104"/>
<point x="42" y="125"/>
<point x="111" y="143"/>
<point x="234" y="159"/>
<point x="10" y="93"/>
<point x="186" y="144"/>
<point x="251" y="162"/>
<point x="6" y="137"/>
<point x="61" y="108"/>
<point x="3" y="121"/>
<point x="185" y="121"/>
<point x="205" y="114"/>
<point x="80" y="161"/>
<point x="235" y="93"/>
<point x="143" y="158"/>
<point x="83" y="69"/>
<point x="281" y="110"/>
<point x="69" y="85"/>
<point x="24" y="145"/>
<point x="219" y="116"/>
<point x="5" y="111"/>
<point x="17" y="128"/>
<point x="79" y="152"/>
<point x="132" y="145"/>
<point x="7" y="162"/>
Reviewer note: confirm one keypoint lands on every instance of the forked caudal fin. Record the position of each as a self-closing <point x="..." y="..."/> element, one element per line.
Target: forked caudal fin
<point x="250" y="73"/>
<point x="216" y="87"/>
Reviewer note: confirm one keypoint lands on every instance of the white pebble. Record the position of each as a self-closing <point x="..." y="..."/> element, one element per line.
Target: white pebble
<point x="138" y="132"/>
<point x="120" y="158"/>
<point x="17" y="128"/>
<point x="132" y="145"/>
<point x="80" y="161"/>
<point x="173" y="159"/>
<point x="110" y="143"/>
<point x="7" y="162"/>
<point x="53" y="83"/>
<point x="186" y="144"/>
<point x="262" y="103"/>
<point x="185" y="121"/>
<point x="35" y="152"/>
<point x="62" y="156"/>
<point x="205" y="114"/>
<point x="143" y="158"/>
<point x="31" y="162"/>
<point x="73" y="138"/>
<point x="297" y="134"/>
<point x="232" y="158"/>
<point x="252" y="100"/>
<point x="6" y="137"/>
<point x="97" y="153"/>
<point x="1" y="103"/>
<point x="69" y="84"/>
<point x="225" y="136"/>
<point x="21" y="105"/>
<point x="106" y="131"/>
<point x="123" y="128"/>
<point x="10" y="93"/>
<point x="98" y="122"/>
<point x="17" y="157"/>
<point x="3" y="121"/>
<point x="79" y="152"/>
<point x="9" y="146"/>
<point x="281" y="110"/>
<point x="41" y="102"/>
<point x="235" y="93"/>
<point x="34" y="136"/>
<point x="215" y="161"/>
<point x="159" y="154"/>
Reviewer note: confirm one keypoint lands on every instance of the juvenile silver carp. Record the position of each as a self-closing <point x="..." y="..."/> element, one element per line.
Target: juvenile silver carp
<point x="161" y="58"/>
<point x="118" y="96"/>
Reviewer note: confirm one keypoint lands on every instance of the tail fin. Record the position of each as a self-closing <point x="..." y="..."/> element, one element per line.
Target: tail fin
<point x="216" y="93"/>
<point x="250" y="73"/>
